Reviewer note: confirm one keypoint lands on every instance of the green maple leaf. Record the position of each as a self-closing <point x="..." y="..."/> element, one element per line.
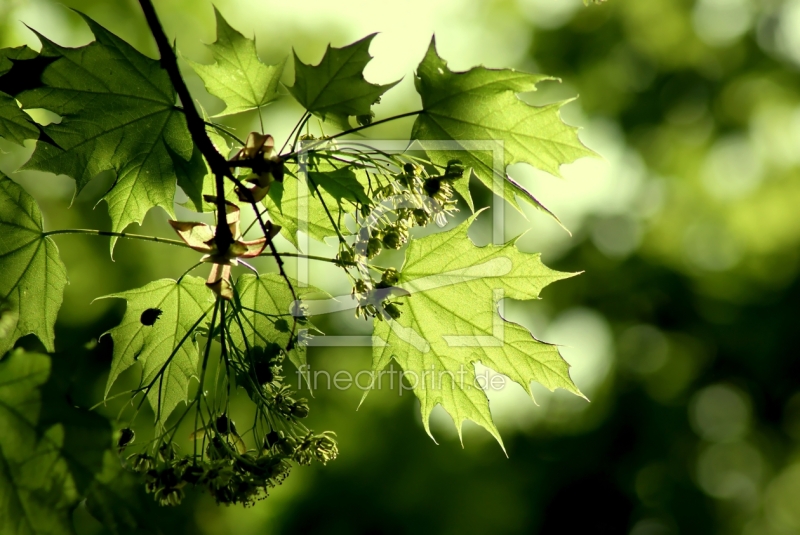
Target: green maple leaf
<point x="336" y="89"/>
<point x="37" y="491"/>
<point x="50" y="451"/>
<point x="118" y="112"/>
<point x="482" y="104"/>
<point x="266" y="313"/>
<point x="341" y="184"/>
<point x="15" y="125"/>
<point x="450" y="321"/>
<point x="33" y="276"/>
<point x="237" y="76"/>
<point x="118" y="500"/>
<point x="208" y="186"/>
<point x="166" y="349"/>
<point x="299" y="211"/>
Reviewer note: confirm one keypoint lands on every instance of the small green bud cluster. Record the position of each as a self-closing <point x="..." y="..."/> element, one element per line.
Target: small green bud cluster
<point x="230" y="480"/>
<point x="417" y="198"/>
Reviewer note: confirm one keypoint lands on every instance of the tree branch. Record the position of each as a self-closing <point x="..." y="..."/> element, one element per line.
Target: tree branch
<point x="195" y="124"/>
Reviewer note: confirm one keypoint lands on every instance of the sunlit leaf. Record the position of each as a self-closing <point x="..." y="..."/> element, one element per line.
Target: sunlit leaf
<point x="237" y="76"/>
<point x="481" y="105"/>
<point x="450" y="321"/>
<point x="157" y="331"/>
<point x="336" y="88"/>
<point x="300" y="211"/>
<point x="341" y="183"/>
<point x="118" y="112"/>
<point x="267" y="306"/>
<point x="33" y="276"/>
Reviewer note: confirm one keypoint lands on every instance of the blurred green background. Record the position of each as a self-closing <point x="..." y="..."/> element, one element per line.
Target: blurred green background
<point x="683" y="330"/>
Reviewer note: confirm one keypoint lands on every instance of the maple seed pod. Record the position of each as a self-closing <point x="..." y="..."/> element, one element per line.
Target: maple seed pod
<point x="149" y="316"/>
<point x="126" y="437"/>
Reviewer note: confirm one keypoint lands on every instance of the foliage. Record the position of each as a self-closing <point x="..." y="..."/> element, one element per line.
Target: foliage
<point x="437" y="313"/>
<point x="33" y="275"/>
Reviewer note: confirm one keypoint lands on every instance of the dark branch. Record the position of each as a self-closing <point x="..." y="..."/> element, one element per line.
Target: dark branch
<point x="219" y="166"/>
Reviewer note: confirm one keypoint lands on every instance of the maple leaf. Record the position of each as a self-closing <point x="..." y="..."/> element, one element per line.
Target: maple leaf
<point x="266" y="312"/>
<point x="335" y="88"/>
<point x="50" y="450"/>
<point x="449" y="291"/>
<point x="237" y="76"/>
<point x="165" y="347"/>
<point x="299" y="211"/>
<point x="33" y="276"/>
<point x="15" y="125"/>
<point x="482" y="104"/>
<point x="118" y="112"/>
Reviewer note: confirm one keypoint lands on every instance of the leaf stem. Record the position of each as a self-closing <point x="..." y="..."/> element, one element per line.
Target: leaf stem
<point x="249" y="163"/>
<point x="225" y="131"/>
<point x="116" y="235"/>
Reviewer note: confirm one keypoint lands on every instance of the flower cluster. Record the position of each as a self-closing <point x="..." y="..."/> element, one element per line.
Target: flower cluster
<point x="413" y="198"/>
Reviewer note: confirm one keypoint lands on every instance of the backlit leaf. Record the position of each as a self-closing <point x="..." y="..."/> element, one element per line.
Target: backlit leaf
<point x="336" y="88"/>
<point x="166" y="350"/>
<point x="237" y="76"/>
<point x="450" y="321"/>
<point x="118" y="112"/>
<point x="33" y="276"/>
<point x="481" y="106"/>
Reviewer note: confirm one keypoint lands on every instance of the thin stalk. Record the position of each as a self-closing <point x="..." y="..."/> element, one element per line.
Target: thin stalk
<point x="115" y="234"/>
<point x="353" y="131"/>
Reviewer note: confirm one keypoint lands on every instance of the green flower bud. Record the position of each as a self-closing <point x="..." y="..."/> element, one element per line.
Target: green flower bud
<point x="374" y="247"/>
<point x="325" y="447"/>
<point x="346" y="256"/>
<point x="126" y="436"/>
<point x="299" y="410"/>
<point x="421" y="217"/>
<point x="171" y="496"/>
<point x="390" y="277"/>
<point x="193" y="474"/>
<point x="393" y="240"/>
<point x="392" y="310"/>
<point x="287" y="445"/>
<point x="454" y="169"/>
<point x="142" y="463"/>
